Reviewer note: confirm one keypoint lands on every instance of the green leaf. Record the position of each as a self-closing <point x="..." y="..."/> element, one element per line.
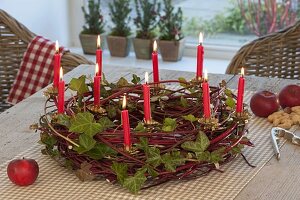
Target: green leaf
<point x="151" y="171"/>
<point x="140" y="127"/>
<point x="204" y="141"/>
<point x="237" y="149"/>
<point x="228" y="92"/>
<point x="78" y="85"/>
<point x="85" y="123"/>
<point x="135" y="79"/>
<point x="230" y="102"/>
<point x="190" y="118"/>
<point x="183" y="81"/>
<point x="169" y="125"/>
<point x="111" y="111"/>
<point x="122" y="82"/>
<point x="48" y="140"/>
<point x="143" y="144"/>
<point x="121" y="171"/>
<point x="135" y="183"/>
<point x="216" y="156"/>
<point x="183" y="102"/>
<point x="100" y="151"/>
<point x="172" y="160"/>
<point x="64" y="120"/>
<point x="200" y="145"/>
<point x="86" y="143"/>
<point x="203" y="156"/>
<point x="105" y="123"/>
<point x="153" y="157"/>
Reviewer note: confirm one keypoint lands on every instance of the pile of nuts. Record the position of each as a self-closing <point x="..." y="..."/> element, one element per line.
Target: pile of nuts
<point x="285" y="118"/>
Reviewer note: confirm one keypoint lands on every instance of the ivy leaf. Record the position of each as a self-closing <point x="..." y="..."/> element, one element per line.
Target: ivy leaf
<point x="203" y="156"/>
<point x="153" y="157"/>
<point x="85" y="123"/>
<point x="64" y="120"/>
<point x="200" y="145"/>
<point x="169" y="125"/>
<point x="172" y="160"/>
<point x="216" y="155"/>
<point x="183" y="102"/>
<point x="203" y="140"/>
<point x="105" y="123"/>
<point x="151" y="171"/>
<point x="228" y="92"/>
<point x="122" y="82"/>
<point x="86" y="143"/>
<point x="121" y="171"/>
<point x="237" y="149"/>
<point x="230" y="102"/>
<point x="190" y="118"/>
<point x="111" y="111"/>
<point x="143" y="144"/>
<point x="182" y="82"/>
<point x="135" y="79"/>
<point x="78" y="85"/>
<point x="48" y="140"/>
<point x="140" y="127"/>
<point x="100" y="151"/>
<point x="84" y="173"/>
<point x="135" y="183"/>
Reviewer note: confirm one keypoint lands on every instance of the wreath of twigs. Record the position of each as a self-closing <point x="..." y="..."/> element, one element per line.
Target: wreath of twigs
<point x="156" y="156"/>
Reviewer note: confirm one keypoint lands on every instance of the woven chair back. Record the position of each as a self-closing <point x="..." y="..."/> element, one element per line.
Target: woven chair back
<point x="273" y="55"/>
<point x="14" y="38"/>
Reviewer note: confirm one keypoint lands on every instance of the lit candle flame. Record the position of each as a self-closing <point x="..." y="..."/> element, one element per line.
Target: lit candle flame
<point x="98" y="42"/>
<point x="146" y="77"/>
<point x="96" y="69"/>
<point x="154" y="46"/>
<point x="200" y="38"/>
<point x="56" y="46"/>
<point x="205" y="75"/>
<point x="61" y="74"/>
<point x="124" y="102"/>
<point x="242" y="71"/>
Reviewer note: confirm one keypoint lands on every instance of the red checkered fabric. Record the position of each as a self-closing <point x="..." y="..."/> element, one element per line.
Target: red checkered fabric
<point x="36" y="70"/>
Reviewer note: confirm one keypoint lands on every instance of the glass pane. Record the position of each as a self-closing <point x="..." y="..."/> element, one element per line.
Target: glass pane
<point x="234" y="22"/>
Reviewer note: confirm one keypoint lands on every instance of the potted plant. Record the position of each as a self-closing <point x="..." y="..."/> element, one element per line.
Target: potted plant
<point x="118" y="40"/>
<point x="145" y="21"/>
<point x="94" y="26"/>
<point x="171" y="40"/>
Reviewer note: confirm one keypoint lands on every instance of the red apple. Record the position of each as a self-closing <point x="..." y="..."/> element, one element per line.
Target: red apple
<point x="264" y="103"/>
<point x="23" y="172"/>
<point x="289" y="96"/>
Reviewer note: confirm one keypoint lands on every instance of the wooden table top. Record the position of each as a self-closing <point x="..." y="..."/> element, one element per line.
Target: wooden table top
<point x="276" y="180"/>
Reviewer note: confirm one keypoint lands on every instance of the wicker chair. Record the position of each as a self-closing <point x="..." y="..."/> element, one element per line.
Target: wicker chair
<point x="273" y="55"/>
<point x="14" y="38"/>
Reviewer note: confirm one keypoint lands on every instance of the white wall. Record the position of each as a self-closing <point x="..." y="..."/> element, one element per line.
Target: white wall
<point x="48" y="18"/>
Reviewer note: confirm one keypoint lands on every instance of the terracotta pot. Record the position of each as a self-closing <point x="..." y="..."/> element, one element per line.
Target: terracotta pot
<point x="143" y="48"/>
<point x="89" y="42"/>
<point x="118" y="46"/>
<point x="171" y="50"/>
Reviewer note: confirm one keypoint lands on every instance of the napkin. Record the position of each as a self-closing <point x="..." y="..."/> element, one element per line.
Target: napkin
<point x="36" y="69"/>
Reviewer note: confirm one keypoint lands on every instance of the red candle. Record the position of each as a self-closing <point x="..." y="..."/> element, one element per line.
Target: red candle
<point x="240" y="94"/>
<point x="200" y="52"/>
<point x="61" y="93"/>
<point x="206" y="97"/>
<point x="155" y="63"/>
<point x="126" y="126"/>
<point x="97" y="80"/>
<point x="99" y="56"/>
<point x="147" y="108"/>
<point x="56" y="65"/>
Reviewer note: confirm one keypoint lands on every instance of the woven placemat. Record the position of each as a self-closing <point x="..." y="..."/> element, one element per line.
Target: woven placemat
<point x="55" y="182"/>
